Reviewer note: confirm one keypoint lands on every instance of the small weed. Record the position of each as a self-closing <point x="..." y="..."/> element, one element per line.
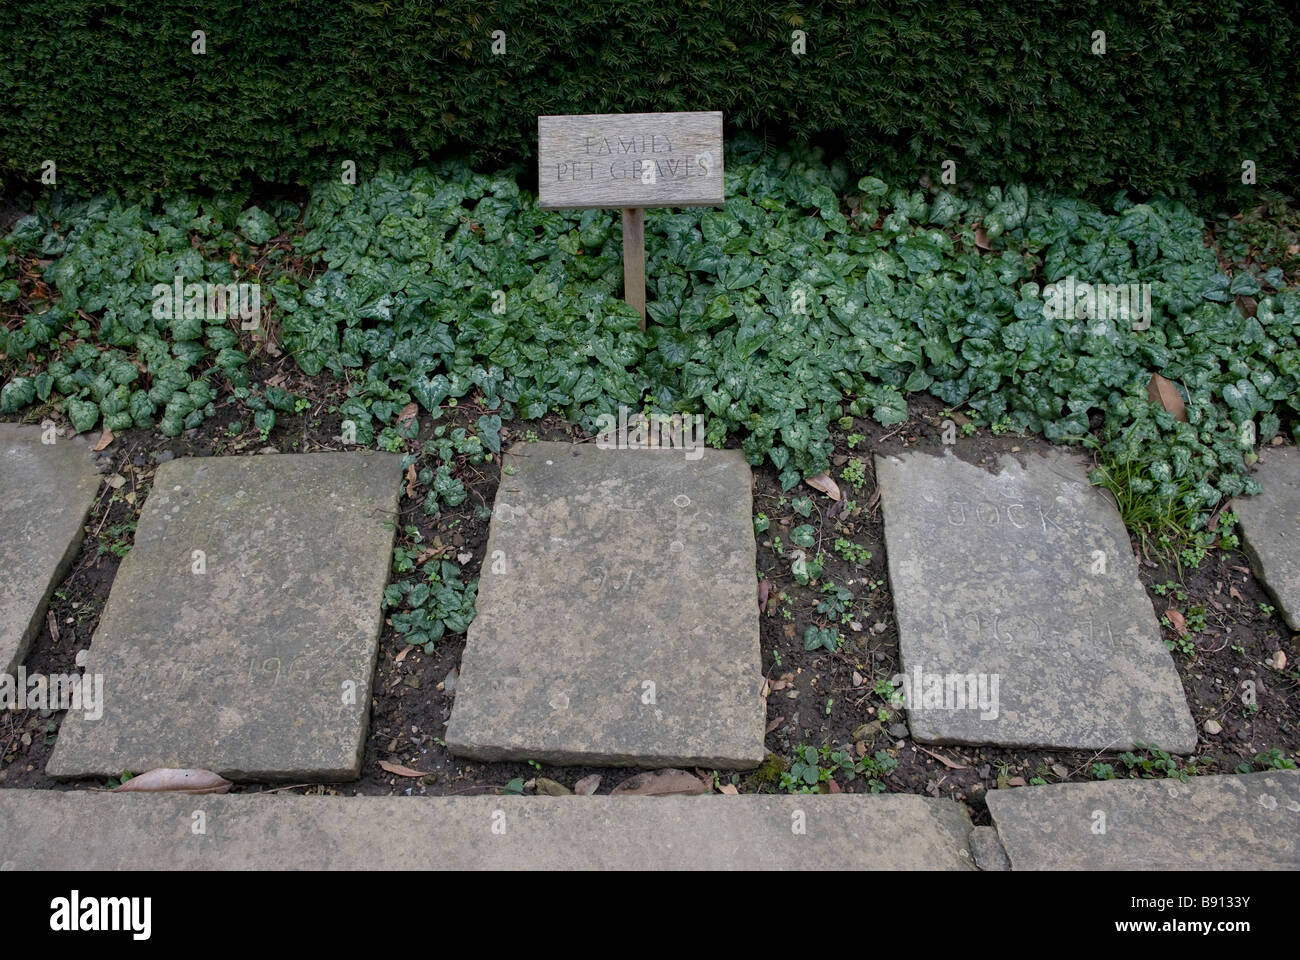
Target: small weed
<point x="854" y="473"/>
<point x="851" y="551"/>
<point x="1272" y="759"/>
<point x="836" y="602"/>
<point x="814" y="766"/>
<point x="117" y="539"/>
<point x="1153" y="764"/>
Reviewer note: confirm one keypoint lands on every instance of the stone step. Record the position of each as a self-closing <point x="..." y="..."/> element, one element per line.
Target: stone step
<point x="1230" y="822"/>
<point x="1021" y="619"/>
<point x="1270" y="528"/>
<point x="47" y="486"/>
<point x="617" y="617"/>
<point x="54" y="830"/>
<point x="241" y="631"/>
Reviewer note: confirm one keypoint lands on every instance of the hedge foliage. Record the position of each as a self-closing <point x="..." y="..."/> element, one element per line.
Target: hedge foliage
<point x="286" y="91"/>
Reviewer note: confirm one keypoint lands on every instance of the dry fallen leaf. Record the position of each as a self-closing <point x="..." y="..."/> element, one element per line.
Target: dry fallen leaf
<point x="405" y="650"/>
<point x="1236" y="594"/>
<point x="410" y="481"/>
<point x="430" y="554"/>
<point x="950" y="764"/>
<point x="398" y="770"/>
<point x="105" y="439"/>
<point x="832" y="787"/>
<point x="825" y="484"/>
<point x="659" y="783"/>
<point x="587" y="786"/>
<point x="729" y="789"/>
<point x="408" y="412"/>
<point x="764" y="591"/>
<point x="171" y="780"/>
<point x="773" y="724"/>
<point x="1163" y="392"/>
<point x="868" y="730"/>
<point x="1177" y="621"/>
<point x="981" y="237"/>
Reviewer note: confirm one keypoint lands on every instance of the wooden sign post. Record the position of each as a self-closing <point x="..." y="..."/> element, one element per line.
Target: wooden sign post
<point x="630" y="161"/>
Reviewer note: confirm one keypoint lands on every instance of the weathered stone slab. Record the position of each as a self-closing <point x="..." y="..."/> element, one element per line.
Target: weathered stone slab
<point x="617" y="617"/>
<point x="46" y="491"/>
<point x="986" y="849"/>
<point x="1020" y="590"/>
<point x="260" y="832"/>
<point x="1246" y="822"/>
<point x="260" y="666"/>
<point x="1270" y="528"/>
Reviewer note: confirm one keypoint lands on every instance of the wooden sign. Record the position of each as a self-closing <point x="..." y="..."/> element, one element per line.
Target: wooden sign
<point x="622" y="160"/>
<point x="630" y="161"/>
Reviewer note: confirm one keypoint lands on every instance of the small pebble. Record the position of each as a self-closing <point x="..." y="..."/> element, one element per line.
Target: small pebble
<point x="1213" y="727"/>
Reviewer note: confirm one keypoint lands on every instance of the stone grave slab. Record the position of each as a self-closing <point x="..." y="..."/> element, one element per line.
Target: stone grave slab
<point x="1020" y="615"/>
<point x="617" y="616"/>
<point x="241" y="632"/>
<point x="282" y="832"/>
<point x="1270" y="528"/>
<point x="46" y="491"/>
<point x="1229" y="822"/>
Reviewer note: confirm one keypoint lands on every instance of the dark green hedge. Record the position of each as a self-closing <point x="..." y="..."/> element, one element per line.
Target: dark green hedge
<point x="1011" y="91"/>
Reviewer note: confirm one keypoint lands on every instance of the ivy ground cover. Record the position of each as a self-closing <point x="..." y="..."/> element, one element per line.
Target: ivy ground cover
<point x="814" y="293"/>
